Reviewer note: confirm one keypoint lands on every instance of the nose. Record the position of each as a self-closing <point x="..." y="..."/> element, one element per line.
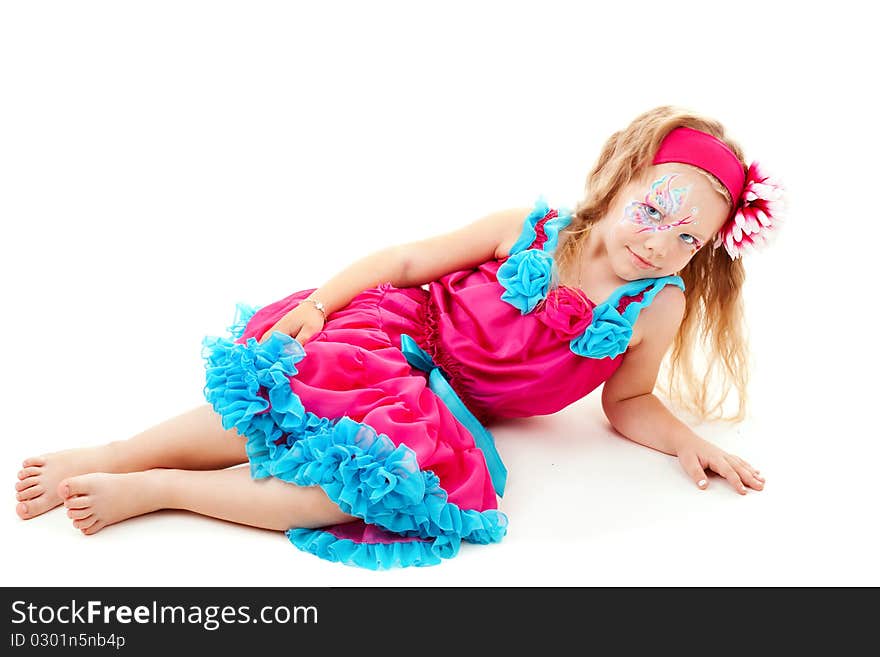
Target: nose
<point x="658" y="242"/>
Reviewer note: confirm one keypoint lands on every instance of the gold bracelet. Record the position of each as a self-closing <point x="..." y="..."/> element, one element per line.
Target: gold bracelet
<point x="318" y="305"/>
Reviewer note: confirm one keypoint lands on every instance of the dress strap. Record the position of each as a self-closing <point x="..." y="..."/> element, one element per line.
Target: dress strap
<point x="541" y="228"/>
<point x="609" y="332"/>
<point x="650" y="287"/>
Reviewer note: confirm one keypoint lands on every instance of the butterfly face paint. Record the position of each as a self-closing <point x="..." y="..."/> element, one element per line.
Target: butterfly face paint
<point x="661" y="200"/>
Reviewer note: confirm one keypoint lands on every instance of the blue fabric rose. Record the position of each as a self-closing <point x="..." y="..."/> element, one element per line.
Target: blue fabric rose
<point x="526" y="278"/>
<point x="606" y="337"/>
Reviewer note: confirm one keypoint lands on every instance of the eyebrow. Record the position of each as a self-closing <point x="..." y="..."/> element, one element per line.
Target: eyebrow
<point x="666" y="216"/>
<point x="699" y="237"/>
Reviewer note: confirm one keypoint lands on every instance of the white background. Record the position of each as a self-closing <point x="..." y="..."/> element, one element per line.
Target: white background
<point x="161" y="161"/>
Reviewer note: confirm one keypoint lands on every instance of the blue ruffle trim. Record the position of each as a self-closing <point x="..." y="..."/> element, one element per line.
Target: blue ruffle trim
<point x="363" y="471"/>
<point x="243" y="314"/>
<point x="527" y="274"/>
<point x="551" y="228"/>
<point x="375" y="556"/>
<point x="609" y="332"/>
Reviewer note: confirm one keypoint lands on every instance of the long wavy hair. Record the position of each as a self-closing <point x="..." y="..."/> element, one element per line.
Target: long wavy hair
<point x="709" y="356"/>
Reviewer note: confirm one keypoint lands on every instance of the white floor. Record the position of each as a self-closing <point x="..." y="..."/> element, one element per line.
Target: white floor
<point x="586" y="507"/>
<point x="219" y="168"/>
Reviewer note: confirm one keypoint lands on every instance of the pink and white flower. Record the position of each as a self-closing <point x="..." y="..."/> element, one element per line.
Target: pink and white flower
<point x="757" y="215"/>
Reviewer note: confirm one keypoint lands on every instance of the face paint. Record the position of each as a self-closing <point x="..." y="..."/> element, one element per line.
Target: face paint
<point x="662" y="196"/>
<point x="667" y="200"/>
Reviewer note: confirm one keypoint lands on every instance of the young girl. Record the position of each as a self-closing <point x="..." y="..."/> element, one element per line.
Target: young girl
<point x="361" y="405"/>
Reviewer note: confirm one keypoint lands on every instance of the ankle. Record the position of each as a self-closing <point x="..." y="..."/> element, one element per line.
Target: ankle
<point x="119" y="459"/>
<point x="161" y="485"/>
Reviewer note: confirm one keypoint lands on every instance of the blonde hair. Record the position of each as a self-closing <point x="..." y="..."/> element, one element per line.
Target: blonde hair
<point x="713" y="328"/>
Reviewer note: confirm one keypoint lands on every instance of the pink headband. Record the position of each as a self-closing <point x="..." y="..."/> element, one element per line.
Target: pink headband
<point x="704" y="151"/>
<point x="755" y="197"/>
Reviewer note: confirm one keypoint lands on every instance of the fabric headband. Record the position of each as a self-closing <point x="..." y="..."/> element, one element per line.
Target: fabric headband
<point x="705" y="151"/>
<point x="756" y="199"/>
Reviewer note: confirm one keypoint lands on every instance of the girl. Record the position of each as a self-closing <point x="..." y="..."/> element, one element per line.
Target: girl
<point x="361" y="405"/>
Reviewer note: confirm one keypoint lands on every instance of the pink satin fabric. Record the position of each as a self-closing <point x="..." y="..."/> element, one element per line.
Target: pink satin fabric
<point x="501" y="363"/>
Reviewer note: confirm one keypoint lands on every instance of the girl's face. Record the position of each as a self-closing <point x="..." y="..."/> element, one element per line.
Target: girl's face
<point x="659" y="222"/>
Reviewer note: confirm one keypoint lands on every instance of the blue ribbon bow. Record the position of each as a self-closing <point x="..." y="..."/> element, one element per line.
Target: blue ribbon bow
<point x="420" y="359"/>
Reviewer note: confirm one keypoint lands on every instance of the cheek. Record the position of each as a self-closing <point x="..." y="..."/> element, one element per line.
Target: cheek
<point x="624" y="231"/>
<point x="688" y="254"/>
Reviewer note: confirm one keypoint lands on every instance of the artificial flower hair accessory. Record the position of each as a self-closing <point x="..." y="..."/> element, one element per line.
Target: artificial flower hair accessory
<point x="757" y="199"/>
<point x="756" y="215"/>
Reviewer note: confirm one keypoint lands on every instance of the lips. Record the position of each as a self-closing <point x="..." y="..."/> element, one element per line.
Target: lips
<point x="640" y="261"/>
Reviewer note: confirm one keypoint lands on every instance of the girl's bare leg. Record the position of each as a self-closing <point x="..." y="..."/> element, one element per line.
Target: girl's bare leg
<point x="96" y="500"/>
<point x="195" y="440"/>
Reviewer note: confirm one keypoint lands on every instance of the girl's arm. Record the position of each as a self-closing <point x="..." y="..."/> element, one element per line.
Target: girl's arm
<point x="627" y="397"/>
<point x="405" y="265"/>
<point x="415" y="263"/>
<point x="634" y="411"/>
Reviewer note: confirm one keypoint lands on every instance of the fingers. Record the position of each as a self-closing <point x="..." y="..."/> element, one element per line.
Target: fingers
<point x="726" y="470"/>
<point x="748" y="466"/>
<point x="746" y="473"/>
<point x="296" y="325"/>
<point x="691" y="465"/>
<point x="304" y="336"/>
<point x="268" y="334"/>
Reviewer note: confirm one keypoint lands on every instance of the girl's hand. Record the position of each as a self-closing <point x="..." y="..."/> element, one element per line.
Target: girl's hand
<point x="696" y="454"/>
<point x="301" y="323"/>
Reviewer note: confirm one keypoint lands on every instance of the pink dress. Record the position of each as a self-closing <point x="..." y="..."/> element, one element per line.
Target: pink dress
<point x="386" y="407"/>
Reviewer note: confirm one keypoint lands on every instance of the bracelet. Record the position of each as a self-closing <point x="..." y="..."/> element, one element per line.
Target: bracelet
<point x="318" y="305"/>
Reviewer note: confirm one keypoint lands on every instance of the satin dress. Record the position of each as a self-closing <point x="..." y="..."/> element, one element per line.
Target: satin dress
<point x="387" y="408"/>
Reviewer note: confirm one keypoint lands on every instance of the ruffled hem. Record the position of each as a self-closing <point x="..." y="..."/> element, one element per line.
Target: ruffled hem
<point x="375" y="556"/>
<point x="538" y="226"/>
<point x="243" y="314"/>
<point x="361" y="470"/>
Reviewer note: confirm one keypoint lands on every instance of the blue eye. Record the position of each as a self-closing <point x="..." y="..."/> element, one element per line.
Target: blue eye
<point x="690" y="239"/>
<point x="651" y="210"/>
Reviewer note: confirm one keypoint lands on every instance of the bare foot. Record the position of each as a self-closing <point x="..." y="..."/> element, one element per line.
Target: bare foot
<point x="96" y="500"/>
<point x="39" y="478"/>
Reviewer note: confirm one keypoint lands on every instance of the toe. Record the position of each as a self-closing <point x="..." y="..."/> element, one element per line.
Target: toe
<point x="86" y="522"/>
<point x="29" y="472"/>
<point x="23" y="511"/>
<point x="78" y="502"/>
<point x="34" y="460"/>
<point x="73" y="486"/>
<point x="98" y="526"/>
<point x="30" y="493"/>
<point x="79" y="514"/>
<point x="40" y="504"/>
<point x="26" y="483"/>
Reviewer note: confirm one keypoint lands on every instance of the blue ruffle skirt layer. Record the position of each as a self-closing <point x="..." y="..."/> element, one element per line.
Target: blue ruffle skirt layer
<point x="361" y="470"/>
